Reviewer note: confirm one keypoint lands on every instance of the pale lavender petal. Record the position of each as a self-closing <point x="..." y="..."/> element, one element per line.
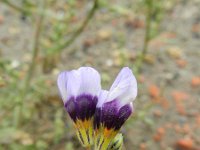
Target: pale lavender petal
<point x="73" y="83"/>
<point x="131" y="106"/>
<point x="68" y="83"/>
<point x="102" y="98"/>
<point x="62" y="85"/>
<point x="90" y="81"/>
<point x="124" y="87"/>
<point x="124" y="73"/>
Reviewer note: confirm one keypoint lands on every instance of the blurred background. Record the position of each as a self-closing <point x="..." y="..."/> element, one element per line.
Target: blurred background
<point x="158" y="39"/>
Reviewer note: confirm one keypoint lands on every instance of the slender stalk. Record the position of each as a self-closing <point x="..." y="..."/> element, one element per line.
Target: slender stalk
<point x="147" y="36"/>
<point x="60" y="47"/>
<point x="20" y="9"/>
<point x="148" y="27"/>
<point x="31" y="69"/>
<point x="35" y="51"/>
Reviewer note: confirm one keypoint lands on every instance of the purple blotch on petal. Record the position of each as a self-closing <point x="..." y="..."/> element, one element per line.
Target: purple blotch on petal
<point x="112" y="116"/>
<point x="97" y="118"/>
<point x="86" y="106"/>
<point x="109" y="114"/>
<point x="71" y="108"/>
<point x="82" y="107"/>
<point x="123" y="115"/>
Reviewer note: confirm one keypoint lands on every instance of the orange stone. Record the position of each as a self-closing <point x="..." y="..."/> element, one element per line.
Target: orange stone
<point x="154" y="91"/>
<point x="143" y="146"/>
<point x="195" y="82"/>
<point x="185" y="144"/>
<point x="181" y="63"/>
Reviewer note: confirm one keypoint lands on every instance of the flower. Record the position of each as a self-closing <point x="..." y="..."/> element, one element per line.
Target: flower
<point x="79" y="90"/>
<point x="114" y="108"/>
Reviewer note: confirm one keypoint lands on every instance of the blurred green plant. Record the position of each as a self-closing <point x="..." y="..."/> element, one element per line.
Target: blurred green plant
<point x="154" y="13"/>
<point x="59" y="31"/>
<point x="52" y="24"/>
<point x="149" y="9"/>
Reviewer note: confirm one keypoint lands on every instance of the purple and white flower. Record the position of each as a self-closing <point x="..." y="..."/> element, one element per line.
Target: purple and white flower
<point x="79" y="90"/>
<point x="114" y="107"/>
<point x="92" y="108"/>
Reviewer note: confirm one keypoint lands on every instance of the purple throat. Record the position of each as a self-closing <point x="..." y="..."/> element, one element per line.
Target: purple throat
<point x="81" y="107"/>
<point x="111" y="116"/>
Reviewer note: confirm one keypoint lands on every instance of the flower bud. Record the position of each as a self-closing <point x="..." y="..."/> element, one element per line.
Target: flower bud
<point x="117" y="142"/>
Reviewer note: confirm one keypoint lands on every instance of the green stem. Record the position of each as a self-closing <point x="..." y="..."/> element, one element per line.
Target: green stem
<point x="35" y="51"/>
<point x="148" y="27"/>
<point x="60" y="47"/>
<point x="7" y="2"/>
<point x="147" y="36"/>
<point x="31" y="69"/>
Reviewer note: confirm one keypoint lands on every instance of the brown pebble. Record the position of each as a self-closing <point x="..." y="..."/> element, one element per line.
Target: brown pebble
<point x="185" y="144"/>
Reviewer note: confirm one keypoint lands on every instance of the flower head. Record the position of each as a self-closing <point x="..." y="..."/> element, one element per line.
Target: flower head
<point x="92" y="108"/>
<point x="79" y="90"/>
<point x="114" y="107"/>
